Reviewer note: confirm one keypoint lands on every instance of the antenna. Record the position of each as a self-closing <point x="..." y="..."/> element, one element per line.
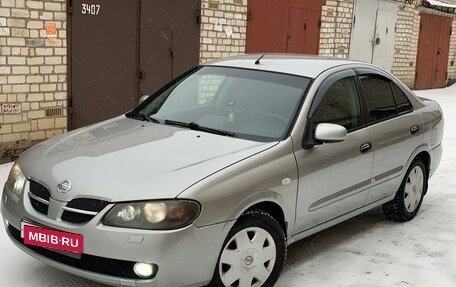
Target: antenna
<point x="258" y="60"/>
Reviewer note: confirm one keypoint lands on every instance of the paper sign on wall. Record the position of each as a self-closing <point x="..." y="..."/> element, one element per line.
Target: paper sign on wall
<point x="51" y="31"/>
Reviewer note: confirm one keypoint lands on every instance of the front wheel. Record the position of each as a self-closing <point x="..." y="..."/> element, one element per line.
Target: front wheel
<point x="410" y="195"/>
<point x="253" y="253"/>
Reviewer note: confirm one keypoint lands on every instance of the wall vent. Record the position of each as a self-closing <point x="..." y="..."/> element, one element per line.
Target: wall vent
<point x="52" y="112"/>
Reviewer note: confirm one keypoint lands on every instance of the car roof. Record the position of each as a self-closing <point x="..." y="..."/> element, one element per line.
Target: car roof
<point x="302" y="65"/>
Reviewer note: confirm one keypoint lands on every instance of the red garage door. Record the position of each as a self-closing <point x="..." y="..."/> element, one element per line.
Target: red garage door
<point x="433" y="52"/>
<point x="287" y="26"/>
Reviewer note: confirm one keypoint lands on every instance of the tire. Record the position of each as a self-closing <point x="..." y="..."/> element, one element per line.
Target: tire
<point x="253" y="253"/>
<point x="410" y="195"/>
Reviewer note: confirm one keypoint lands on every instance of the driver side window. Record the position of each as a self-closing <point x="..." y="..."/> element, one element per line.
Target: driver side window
<point x="340" y="105"/>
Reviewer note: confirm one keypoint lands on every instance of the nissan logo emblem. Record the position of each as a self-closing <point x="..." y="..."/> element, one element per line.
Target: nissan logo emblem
<point x="64" y="186"/>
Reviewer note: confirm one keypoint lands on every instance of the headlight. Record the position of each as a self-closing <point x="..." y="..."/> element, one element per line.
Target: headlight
<point x="16" y="181"/>
<point x="153" y="215"/>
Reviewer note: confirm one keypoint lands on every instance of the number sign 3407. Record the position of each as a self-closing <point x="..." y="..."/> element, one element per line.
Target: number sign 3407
<point x="90" y="9"/>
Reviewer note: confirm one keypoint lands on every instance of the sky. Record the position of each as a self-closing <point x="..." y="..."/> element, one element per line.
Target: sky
<point x="366" y="251"/>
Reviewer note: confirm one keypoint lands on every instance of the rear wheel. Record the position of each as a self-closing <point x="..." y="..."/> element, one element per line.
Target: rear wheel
<point x="253" y="254"/>
<point x="410" y="195"/>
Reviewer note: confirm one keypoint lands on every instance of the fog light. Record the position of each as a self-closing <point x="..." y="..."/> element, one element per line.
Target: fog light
<point x="143" y="270"/>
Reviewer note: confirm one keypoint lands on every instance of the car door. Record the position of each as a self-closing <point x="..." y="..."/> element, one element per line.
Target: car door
<point x="395" y="129"/>
<point x="334" y="178"/>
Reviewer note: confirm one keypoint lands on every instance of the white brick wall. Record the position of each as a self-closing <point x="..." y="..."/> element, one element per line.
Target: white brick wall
<point x="32" y="71"/>
<point x="452" y="57"/>
<point x="406" y="46"/>
<point x="223" y="28"/>
<point x="336" y="25"/>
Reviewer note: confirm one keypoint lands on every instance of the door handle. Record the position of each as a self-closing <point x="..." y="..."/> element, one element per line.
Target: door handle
<point x="365" y="147"/>
<point x="414" y="129"/>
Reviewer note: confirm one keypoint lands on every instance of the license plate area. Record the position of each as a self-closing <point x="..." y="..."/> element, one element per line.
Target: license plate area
<point x="66" y="243"/>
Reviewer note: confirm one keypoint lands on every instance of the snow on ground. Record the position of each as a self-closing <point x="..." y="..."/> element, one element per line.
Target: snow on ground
<point x="365" y="251"/>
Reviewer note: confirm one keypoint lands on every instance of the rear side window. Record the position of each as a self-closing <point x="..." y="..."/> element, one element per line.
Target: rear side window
<point x="402" y="102"/>
<point x="380" y="98"/>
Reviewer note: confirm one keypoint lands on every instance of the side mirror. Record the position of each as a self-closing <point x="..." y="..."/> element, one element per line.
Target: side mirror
<point x="143" y="98"/>
<point x="330" y="133"/>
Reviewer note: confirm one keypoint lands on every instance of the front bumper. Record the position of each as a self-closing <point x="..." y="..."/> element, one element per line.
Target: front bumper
<point x="185" y="257"/>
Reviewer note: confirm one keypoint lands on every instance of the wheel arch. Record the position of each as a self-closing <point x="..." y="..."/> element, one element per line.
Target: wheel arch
<point x="426" y="157"/>
<point x="273" y="209"/>
<point x="422" y="152"/>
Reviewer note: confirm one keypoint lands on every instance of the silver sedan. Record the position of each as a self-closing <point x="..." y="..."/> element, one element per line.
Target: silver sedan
<point x="209" y="179"/>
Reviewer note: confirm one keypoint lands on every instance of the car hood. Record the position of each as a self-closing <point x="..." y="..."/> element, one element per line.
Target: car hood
<point x="124" y="159"/>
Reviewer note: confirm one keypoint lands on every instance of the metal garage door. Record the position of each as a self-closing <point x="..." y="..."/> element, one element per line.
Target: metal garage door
<point x="169" y="41"/>
<point x="288" y="26"/>
<point x="433" y="51"/>
<point x="120" y="50"/>
<point x="373" y="35"/>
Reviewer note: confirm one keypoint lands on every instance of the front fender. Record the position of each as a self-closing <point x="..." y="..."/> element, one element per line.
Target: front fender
<point x="270" y="176"/>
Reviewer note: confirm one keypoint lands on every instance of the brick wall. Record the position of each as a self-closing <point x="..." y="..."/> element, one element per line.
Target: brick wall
<point x="223" y="28"/>
<point x="406" y="46"/>
<point x="452" y="57"/>
<point x="336" y="25"/>
<point x="32" y="71"/>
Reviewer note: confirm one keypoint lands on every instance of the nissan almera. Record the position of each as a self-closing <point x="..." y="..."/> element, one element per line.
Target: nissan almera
<point x="209" y="179"/>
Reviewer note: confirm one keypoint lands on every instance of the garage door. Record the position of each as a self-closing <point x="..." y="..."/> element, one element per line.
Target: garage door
<point x="433" y="51"/>
<point x="120" y="50"/>
<point x="287" y="26"/>
<point x="373" y="35"/>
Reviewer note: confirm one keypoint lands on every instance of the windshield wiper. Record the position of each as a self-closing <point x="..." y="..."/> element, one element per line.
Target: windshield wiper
<point x="141" y="117"/>
<point x="197" y="127"/>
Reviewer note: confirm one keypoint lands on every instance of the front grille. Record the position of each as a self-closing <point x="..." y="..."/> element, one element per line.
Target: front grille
<point x="82" y="210"/>
<point x="102" y="265"/>
<point x="94" y="205"/>
<point x="75" y="217"/>
<point x="39" y="197"/>
<point x="79" y="210"/>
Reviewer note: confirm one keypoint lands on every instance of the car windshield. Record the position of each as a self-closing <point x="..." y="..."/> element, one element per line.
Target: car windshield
<point x="248" y="104"/>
